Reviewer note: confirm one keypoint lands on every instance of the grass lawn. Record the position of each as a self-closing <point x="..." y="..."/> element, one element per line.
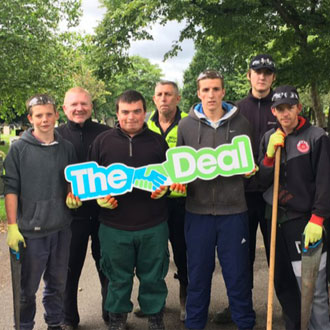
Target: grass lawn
<point x="2" y="210"/>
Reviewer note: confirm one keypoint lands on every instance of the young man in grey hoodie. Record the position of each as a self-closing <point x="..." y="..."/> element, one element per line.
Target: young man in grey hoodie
<point x="35" y="198"/>
<point x="216" y="211"/>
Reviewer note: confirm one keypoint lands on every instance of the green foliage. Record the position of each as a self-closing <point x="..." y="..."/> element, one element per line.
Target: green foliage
<point x="296" y="32"/>
<point x="34" y="57"/>
<point x="140" y="75"/>
<point x="211" y="56"/>
<point x="3" y="215"/>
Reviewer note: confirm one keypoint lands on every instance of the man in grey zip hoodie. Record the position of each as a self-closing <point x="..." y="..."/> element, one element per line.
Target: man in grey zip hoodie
<point x="216" y="212"/>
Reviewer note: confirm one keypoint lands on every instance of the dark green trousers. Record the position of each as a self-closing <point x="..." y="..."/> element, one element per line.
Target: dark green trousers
<point x="144" y="253"/>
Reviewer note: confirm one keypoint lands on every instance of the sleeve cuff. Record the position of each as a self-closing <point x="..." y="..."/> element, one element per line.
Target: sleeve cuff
<point x="268" y="161"/>
<point x="316" y="219"/>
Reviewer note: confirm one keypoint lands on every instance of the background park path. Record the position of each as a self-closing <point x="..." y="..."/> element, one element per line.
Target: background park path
<point x="90" y="302"/>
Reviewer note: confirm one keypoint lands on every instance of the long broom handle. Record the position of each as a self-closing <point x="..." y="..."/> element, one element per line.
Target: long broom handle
<point x="273" y="240"/>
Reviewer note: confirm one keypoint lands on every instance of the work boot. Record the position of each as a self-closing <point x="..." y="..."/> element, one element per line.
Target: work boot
<point x="155" y="321"/>
<point x="138" y="312"/>
<point x="223" y="317"/>
<point x="183" y="298"/>
<point x="117" y="321"/>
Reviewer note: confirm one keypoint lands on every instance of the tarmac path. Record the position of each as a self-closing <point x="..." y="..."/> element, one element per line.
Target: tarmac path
<point x="90" y="298"/>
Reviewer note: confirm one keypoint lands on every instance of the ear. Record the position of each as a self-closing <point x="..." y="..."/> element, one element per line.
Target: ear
<point x="299" y="107"/>
<point x="223" y="92"/>
<point x="248" y="75"/>
<point x="199" y="94"/>
<point x="57" y="115"/>
<point x="29" y="117"/>
<point x="274" y="111"/>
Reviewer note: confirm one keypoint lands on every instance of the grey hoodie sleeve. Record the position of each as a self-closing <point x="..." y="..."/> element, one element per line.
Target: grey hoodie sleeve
<point x="11" y="174"/>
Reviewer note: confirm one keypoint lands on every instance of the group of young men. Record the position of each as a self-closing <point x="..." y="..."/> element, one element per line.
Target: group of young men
<point x="130" y="232"/>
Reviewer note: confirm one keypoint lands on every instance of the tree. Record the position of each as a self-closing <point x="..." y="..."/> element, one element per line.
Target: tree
<point x="296" y="32"/>
<point x="140" y="75"/>
<point x="210" y="56"/>
<point x="34" y="56"/>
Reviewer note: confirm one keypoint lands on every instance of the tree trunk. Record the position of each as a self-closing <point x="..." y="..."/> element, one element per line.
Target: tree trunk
<point x="317" y="106"/>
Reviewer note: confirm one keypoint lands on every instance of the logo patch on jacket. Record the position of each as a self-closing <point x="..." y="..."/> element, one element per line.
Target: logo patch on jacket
<point x="303" y="146"/>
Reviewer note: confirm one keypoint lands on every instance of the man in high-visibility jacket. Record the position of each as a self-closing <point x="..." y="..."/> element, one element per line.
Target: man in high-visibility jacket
<point x="164" y="120"/>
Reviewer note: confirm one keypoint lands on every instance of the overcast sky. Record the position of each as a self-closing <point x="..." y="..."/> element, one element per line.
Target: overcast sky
<point x="154" y="50"/>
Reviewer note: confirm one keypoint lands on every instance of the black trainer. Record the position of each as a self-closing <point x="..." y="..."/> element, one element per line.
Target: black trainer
<point x="156" y="322"/>
<point x="117" y="321"/>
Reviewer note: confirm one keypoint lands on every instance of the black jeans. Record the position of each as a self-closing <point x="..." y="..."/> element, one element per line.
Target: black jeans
<point x="82" y="229"/>
<point x="176" y="216"/>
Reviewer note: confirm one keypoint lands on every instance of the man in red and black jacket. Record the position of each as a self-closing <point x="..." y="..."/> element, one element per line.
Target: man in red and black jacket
<point x="303" y="202"/>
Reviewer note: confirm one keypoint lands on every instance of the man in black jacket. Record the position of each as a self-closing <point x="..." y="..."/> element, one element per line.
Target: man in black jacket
<point x="81" y="131"/>
<point x="256" y="107"/>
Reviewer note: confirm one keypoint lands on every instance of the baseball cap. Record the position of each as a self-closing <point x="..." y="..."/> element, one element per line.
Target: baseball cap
<point x="285" y="95"/>
<point x="263" y="61"/>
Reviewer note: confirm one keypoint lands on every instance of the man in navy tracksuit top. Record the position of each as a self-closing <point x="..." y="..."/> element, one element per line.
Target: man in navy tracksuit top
<point x="216" y="212"/>
<point x="303" y="203"/>
<point x="81" y="131"/>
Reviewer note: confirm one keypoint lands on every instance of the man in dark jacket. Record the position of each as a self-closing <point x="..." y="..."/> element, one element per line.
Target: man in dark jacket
<point x="216" y="212"/>
<point x="303" y="201"/>
<point x="81" y="131"/>
<point x="133" y="231"/>
<point x="256" y="107"/>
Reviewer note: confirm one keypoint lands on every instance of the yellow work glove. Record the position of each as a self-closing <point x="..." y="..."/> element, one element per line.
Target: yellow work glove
<point x="252" y="173"/>
<point x="107" y="202"/>
<point x="276" y="140"/>
<point x="14" y="237"/>
<point x="313" y="230"/>
<point x="178" y="190"/>
<point x="158" y="193"/>
<point x="72" y="201"/>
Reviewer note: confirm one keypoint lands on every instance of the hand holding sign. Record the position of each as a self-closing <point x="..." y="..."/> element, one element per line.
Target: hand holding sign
<point x="107" y="202"/>
<point x="72" y="201"/>
<point x="159" y="193"/>
<point x="183" y="165"/>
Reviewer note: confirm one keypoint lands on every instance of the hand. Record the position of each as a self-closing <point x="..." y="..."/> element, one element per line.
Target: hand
<point x="252" y="173"/>
<point x="14" y="237"/>
<point x="313" y="230"/>
<point x="276" y="140"/>
<point x="107" y="202"/>
<point x="178" y="190"/>
<point x="72" y="201"/>
<point x="158" y="193"/>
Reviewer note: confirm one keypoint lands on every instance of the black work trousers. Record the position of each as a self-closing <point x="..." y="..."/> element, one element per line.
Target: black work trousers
<point x="82" y="229"/>
<point x="256" y="213"/>
<point x="176" y="216"/>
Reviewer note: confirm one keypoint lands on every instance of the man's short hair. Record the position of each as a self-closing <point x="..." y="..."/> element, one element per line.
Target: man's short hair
<point x="210" y="74"/>
<point x="78" y="89"/>
<point x="39" y="99"/>
<point x="131" y="96"/>
<point x="168" y="82"/>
